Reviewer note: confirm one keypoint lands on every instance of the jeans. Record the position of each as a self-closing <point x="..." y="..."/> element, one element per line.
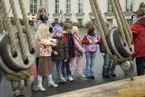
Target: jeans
<point x="58" y="65"/>
<point x="90" y="58"/>
<point x="108" y="66"/>
<point x="140" y="63"/>
<point x="76" y="65"/>
<point x="66" y="69"/>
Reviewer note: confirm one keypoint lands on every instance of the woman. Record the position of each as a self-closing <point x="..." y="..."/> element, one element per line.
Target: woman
<point x="135" y="16"/>
<point x="40" y="19"/>
<point x="138" y="31"/>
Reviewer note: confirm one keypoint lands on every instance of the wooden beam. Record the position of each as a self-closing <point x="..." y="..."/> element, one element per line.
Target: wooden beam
<point x="121" y="88"/>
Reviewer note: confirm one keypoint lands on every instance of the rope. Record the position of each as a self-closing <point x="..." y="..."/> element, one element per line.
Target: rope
<point x="27" y="26"/>
<point x="101" y="30"/>
<point x="9" y="28"/>
<point x="118" y="20"/>
<point x="100" y="24"/>
<point x="104" y="26"/>
<point x="20" y="34"/>
<point x="1" y="25"/>
<point x="124" y="22"/>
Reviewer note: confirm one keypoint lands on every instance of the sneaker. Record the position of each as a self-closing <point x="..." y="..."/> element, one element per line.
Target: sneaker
<point x="88" y="77"/>
<point x="62" y="81"/>
<point x="70" y="79"/>
<point x="106" y="76"/>
<point x="41" y="88"/>
<point x="92" y="77"/>
<point x="81" y="76"/>
<point x="34" y="88"/>
<point x="113" y="74"/>
<point x="52" y="84"/>
<point x="18" y="93"/>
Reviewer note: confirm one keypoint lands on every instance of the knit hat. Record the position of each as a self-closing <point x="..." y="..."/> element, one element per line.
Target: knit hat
<point x="57" y="28"/>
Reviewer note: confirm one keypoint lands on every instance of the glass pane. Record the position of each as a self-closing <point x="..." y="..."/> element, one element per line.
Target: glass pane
<point x="35" y="1"/>
<point x="56" y="8"/>
<point x="56" y="1"/>
<point x="31" y="1"/>
<point x="109" y="6"/>
<point x="35" y="11"/>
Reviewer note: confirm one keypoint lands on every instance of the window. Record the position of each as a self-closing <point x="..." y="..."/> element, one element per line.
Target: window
<point x="68" y="6"/>
<point x="129" y="5"/>
<point x="33" y="6"/>
<point x="56" y="6"/>
<point x="109" y="7"/>
<point x="46" y="5"/>
<point x="67" y="20"/>
<point x="56" y="20"/>
<point x="110" y="21"/>
<point x="80" y="6"/>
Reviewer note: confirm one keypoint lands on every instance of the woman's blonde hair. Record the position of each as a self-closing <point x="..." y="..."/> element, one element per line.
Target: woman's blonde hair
<point x="39" y="12"/>
<point x="75" y="30"/>
<point x="43" y="32"/>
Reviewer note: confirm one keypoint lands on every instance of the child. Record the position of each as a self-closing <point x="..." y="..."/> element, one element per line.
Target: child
<point x="69" y="39"/>
<point x="76" y="64"/>
<point x="19" y="86"/>
<point x="45" y="65"/>
<point x="90" y="43"/>
<point x="108" y="66"/>
<point x="16" y="85"/>
<point x="60" y="52"/>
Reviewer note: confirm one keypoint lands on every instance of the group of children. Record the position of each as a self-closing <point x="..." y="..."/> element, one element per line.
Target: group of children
<point x="64" y="49"/>
<point x="61" y="47"/>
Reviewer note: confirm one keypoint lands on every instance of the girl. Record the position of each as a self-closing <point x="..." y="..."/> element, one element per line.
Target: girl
<point x="16" y="85"/>
<point x="69" y="39"/>
<point x="90" y="43"/>
<point x="76" y="62"/>
<point x="60" y="52"/>
<point x="40" y="19"/>
<point x="45" y="65"/>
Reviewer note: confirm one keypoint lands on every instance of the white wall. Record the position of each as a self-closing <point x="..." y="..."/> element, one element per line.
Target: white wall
<point x="26" y="5"/>
<point x="103" y="4"/>
<point x="137" y="2"/>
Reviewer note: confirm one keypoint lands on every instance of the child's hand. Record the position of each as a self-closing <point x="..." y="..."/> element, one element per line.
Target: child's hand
<point x="55" y="53"/>
<point x="95" y="41"/>
<point x="91" y="42"/>
<point x="103" y="54"/>
<point x="65" y="60"/>
<point x="53" y="45"/>
<point x="83" y="51"/>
